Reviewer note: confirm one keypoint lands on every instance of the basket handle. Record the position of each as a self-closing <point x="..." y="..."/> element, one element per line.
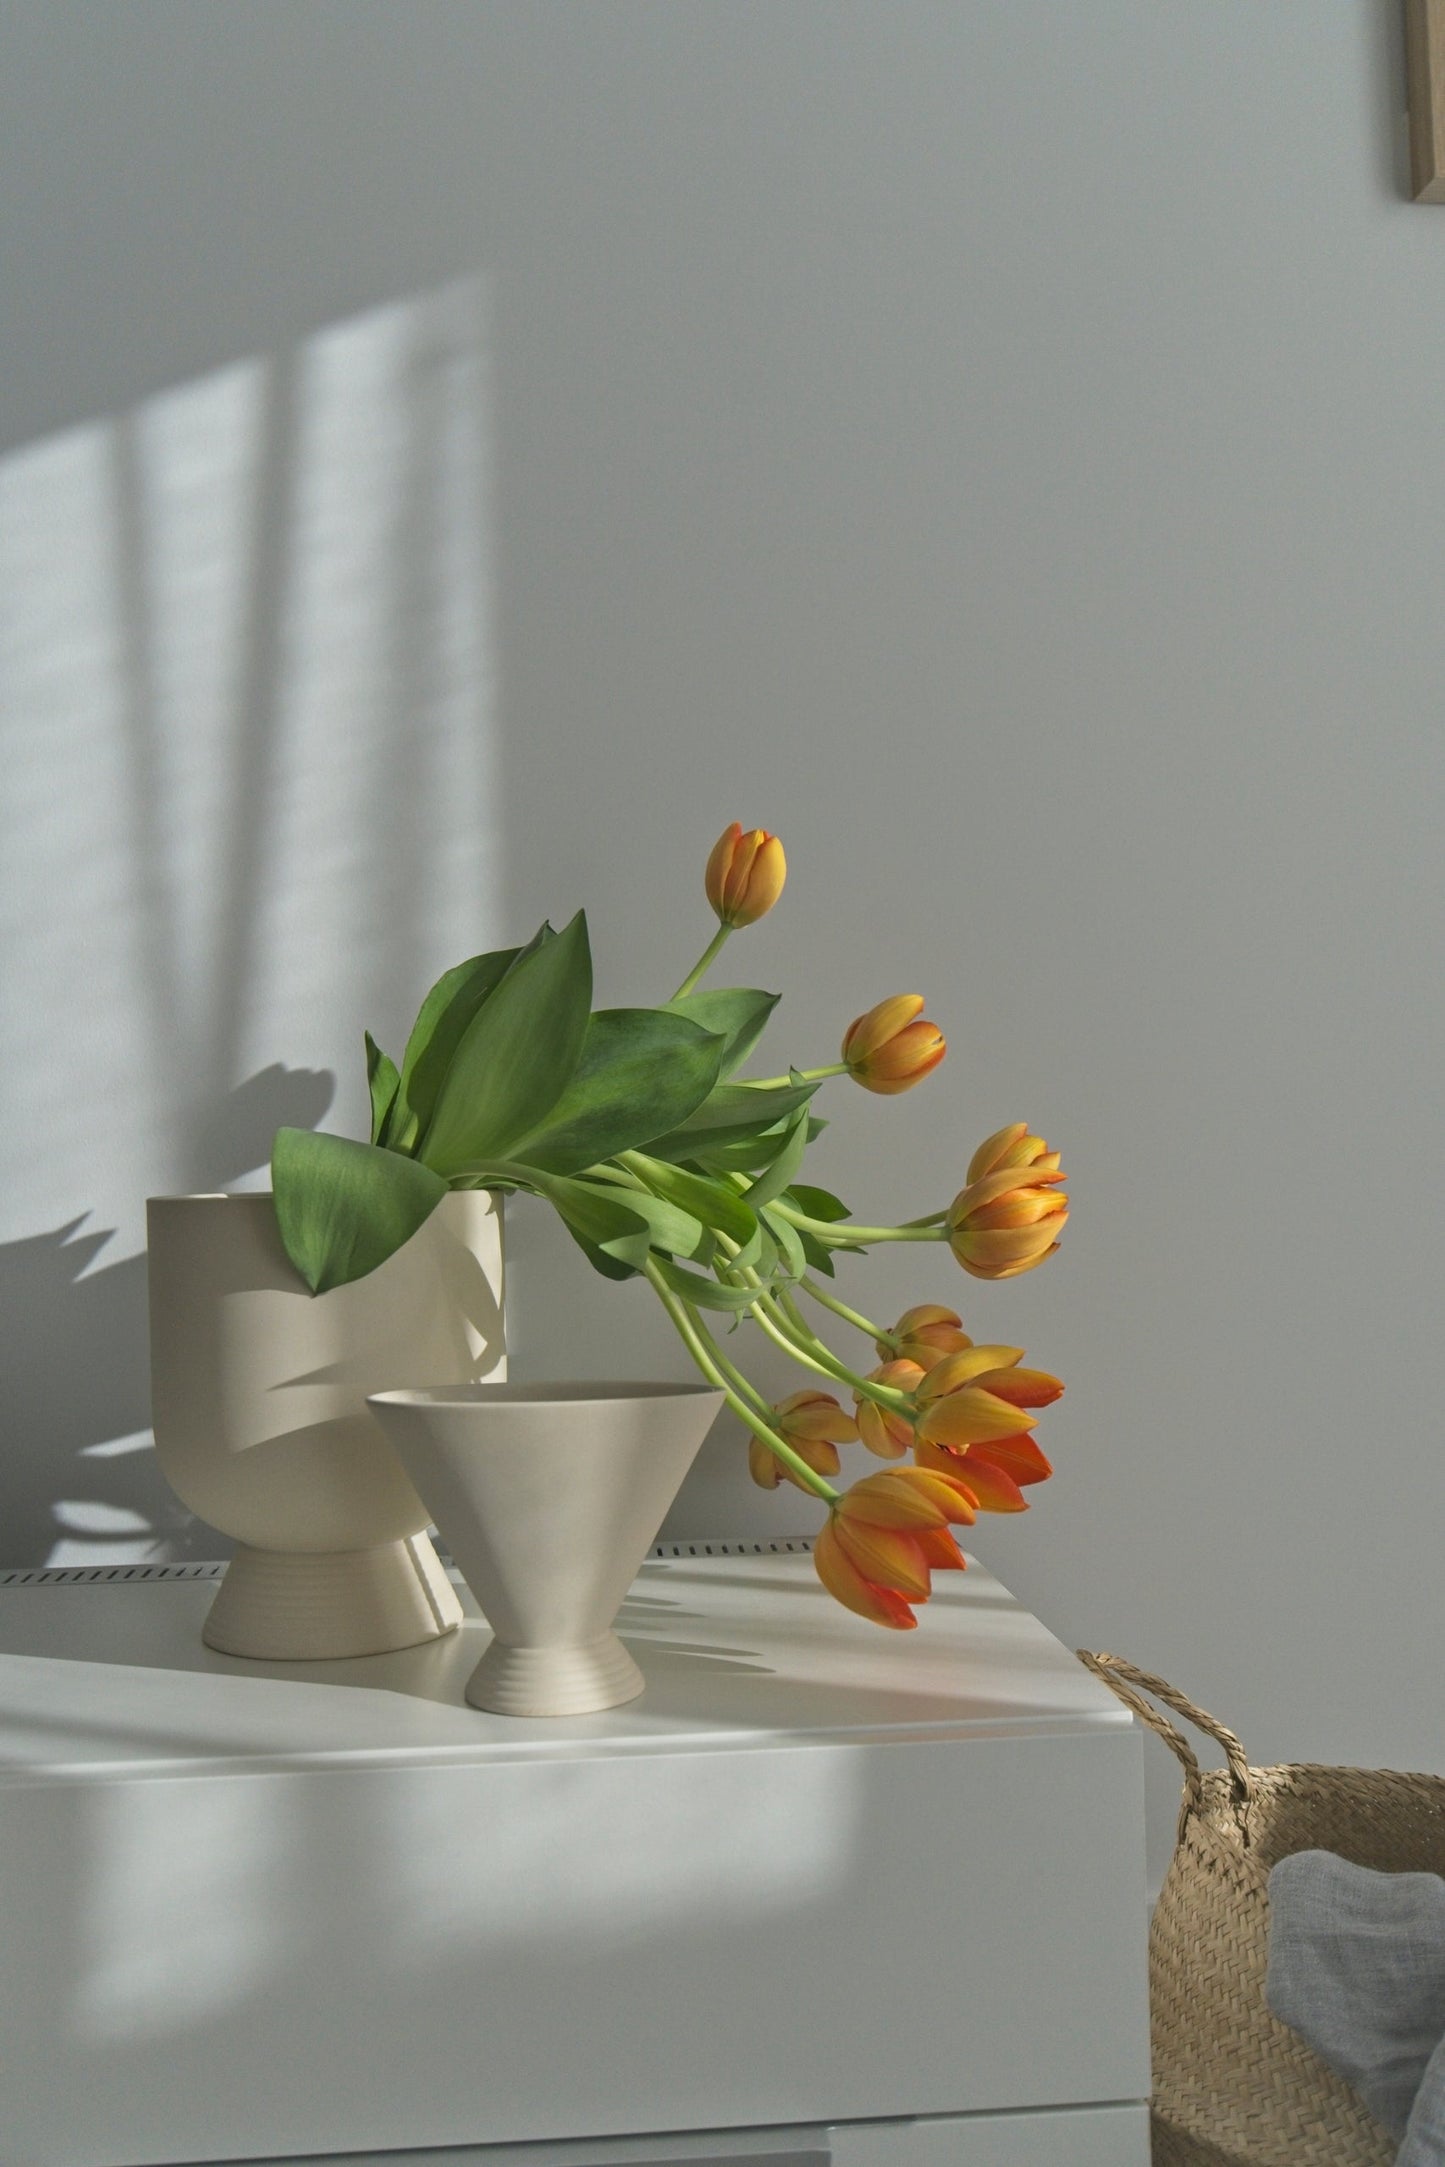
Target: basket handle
<point x="1122" y="1678"/>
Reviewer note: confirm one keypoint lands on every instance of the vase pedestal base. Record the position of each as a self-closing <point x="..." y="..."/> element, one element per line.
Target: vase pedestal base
<point x="565" y="1681"/>
<point x="312" y="1606"/>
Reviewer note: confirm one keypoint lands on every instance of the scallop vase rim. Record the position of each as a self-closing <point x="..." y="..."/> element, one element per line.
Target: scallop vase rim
<point x="569" y="1392"/>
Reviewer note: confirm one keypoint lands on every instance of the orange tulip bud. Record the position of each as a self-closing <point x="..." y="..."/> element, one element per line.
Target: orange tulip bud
<point x="745" y="875"/>
<point x="1009" y="1216"/>
<point x="892" y="1047"/>
<point x="883" y="1430"/>
<point x="814" y="1425"/>
<point x="925" y="1334"/>
<point x="887" y="1536"/>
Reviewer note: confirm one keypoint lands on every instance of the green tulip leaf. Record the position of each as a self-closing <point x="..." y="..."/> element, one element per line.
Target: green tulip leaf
<point x="382" y="1081"/>
<point x="641" y="1070"/>
<point x="516" y="1056"/>
<point x="731" y="1114"/>
<point x="819" y="1258"/>
<point x="815" y="1203"/>
<point x="626" y="1224"/>
<point x="781" y="1169"/>
<point x="755" y="1154"/>
<point x="610" y="1267"/>
<point x="738" y="1014"/>
<point x="440" y="1026"/>
<point x="793" y="1256"/>
<point x="714" y="1203"/>
<point x="704" y="1293"/>
<point x="343" y="1207"/>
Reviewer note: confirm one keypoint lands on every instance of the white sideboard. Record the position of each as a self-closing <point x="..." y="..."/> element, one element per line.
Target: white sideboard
<point x="823" y="1894"/>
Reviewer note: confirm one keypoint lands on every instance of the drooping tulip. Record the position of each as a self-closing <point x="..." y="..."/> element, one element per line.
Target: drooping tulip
<point x="925" y="1334"/>
<point x="814" y="1424"/>
<point x="892" y="1047"/>
<point x="1009" y="1215"/>
<point x="884" y="1430"/>
<point x="964" y="1398"/>
<point x="745" y="874"/>
<point x="887" y="1536"/>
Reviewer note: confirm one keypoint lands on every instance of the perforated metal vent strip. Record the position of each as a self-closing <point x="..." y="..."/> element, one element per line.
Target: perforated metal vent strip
<point x="50" y="1576"/>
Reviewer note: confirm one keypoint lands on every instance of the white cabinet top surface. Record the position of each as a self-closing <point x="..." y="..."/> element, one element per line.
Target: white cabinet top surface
<point x="104" y="1681"/>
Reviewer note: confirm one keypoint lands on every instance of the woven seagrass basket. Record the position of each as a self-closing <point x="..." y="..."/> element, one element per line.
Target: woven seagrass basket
<point x="1233" y="2087"/>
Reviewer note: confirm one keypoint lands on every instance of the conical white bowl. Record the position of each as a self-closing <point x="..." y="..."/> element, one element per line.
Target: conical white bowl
<point x="549" y="1497"/>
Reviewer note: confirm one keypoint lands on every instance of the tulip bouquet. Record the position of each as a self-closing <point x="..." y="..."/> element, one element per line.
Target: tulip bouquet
<point x="664" y="1164"/>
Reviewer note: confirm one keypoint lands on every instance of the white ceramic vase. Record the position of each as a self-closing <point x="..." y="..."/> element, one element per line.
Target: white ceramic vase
<point x="549" y="1497"/>
<point x="258" y="1393"/>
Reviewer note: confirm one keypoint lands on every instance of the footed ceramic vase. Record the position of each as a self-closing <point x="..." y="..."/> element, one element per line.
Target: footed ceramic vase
<point x="549" y="1497"/>
<point x="258" y="1393"/>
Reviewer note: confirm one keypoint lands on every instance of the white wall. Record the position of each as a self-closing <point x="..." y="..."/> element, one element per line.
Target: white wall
<point x="999" y="446"/>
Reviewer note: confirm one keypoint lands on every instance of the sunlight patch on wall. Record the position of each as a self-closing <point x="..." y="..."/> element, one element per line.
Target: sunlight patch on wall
<point x="248" y="803"/>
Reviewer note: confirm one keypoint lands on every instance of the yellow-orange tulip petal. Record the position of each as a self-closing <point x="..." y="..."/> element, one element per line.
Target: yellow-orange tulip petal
<point x="813" y="1417"/>
<point x="906" y="1497"/>
<point x="841" y="1577"/>
<point x="765" y="1467"/>
<point x="966" y="1367"/>
<point x="970" y="1417"/>
<point x="814" y="1425"/>
<point x="1017" y="1456"/>
<point x="883" y="1430"/>
<point x="886" y="1434"/>
<point x="1010" y="1147"/>
<point x="939" y="1550"/>
<point x="887" y="1050"/>
<point x="887" y="1556"/>
<point x="1023" y="1387"/>
<point x="925" y="1334"/>
<point x="991" y="1190"/>
<point x="992" y="1486"/>
<point x="1006" y="1252"/>
<point x="745" y="874"/>
<point x="866" y="1033"/>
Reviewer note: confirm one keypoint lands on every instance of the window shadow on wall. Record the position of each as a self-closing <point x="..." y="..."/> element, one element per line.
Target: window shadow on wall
<point x="245" y="695"/>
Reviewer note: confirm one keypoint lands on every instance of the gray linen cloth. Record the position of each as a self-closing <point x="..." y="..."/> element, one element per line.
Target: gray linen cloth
<point x="1357" y="1968"/>
<point x="1424" y="2144"/>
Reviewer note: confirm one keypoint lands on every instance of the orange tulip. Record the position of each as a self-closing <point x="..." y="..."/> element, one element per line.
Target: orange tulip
<point x="891" y="1047"/>
<point x="887" y="1536"/>
<point x="814" y="1425"/>
<point x="883" y="1430"/>
<point x="964" y="1428"/>
<point x="745" y="875"/>
<point x="996" y="1474"/>
<point x="1009" y="1215"/>
<point x="925" y="1334"/>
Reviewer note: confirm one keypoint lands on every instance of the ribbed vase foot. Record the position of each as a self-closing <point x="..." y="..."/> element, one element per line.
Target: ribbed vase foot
<point x="554" y="1681"/>
<point x="302" y="1606"/>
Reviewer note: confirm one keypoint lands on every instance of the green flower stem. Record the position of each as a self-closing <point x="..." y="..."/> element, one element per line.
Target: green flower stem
<point x="929" y="1218"/>
<point x="780" y="1317"/>
<point x="809" y="1075"/>
<point x="886" y="1395"/>
<point x="708" y="956"/>
<point x="849" y="1316"/>
<point x="709" y="1359"/>
<point x="761" y="1315"/>
<point x="834" y="1232"/>
<point x="743" y="1383"/>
